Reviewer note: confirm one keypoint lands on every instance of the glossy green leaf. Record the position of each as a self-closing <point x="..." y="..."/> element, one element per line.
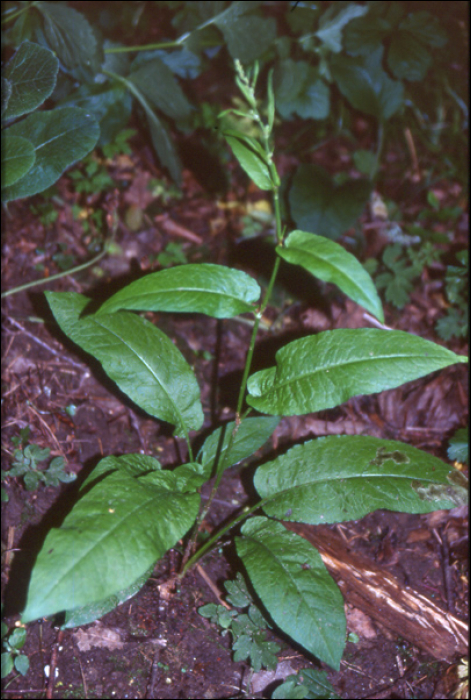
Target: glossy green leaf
<point x="324" y="370"/>
<point x="321" y="206"/>
<point x="330" y="262"/>
<point x="344" y="477"/>
<point x="142" y="360"/>
<point x="112" y="536"/>
<point x="293" y="584"/>
<point x="60" y="138"/>
<point x="214" y="290"/>
<point x="133" y="464"/>
<point x="18" y="156"/>
<point x="250" y="159"/>
<point x="252" y="434"/>
<point x="32" y="74"/>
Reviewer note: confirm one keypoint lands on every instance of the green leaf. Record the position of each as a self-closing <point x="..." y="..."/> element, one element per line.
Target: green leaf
<point x="251" y="161"/>
<point x="338" y="478"/>
<point x="293" y="584"/>
<point x="324" y="370"/>
<point x="425" y="28"/>
<point x="72" y="38"/>
<point x="18" y="156"/>
<point x="163" y="145"/>
<point x="89" y="613"/>
<point x="60" y="138"/>
<point x="157" y="83"/>
<point x="252" y="434"/>
<point x="299" y="90"/>
<point x="22" y="664"/>
<point x="459" y="446"/>
<point x="7" y="663"/>
<point x="142" y="360"/>
<point x="366" y="85"/>
<point x="365" y="34"/>
<point x="32" y="74"/>
<point x="320" y="206"/>
<point x="288" y="690"/>
<point x="408" y="59"/>
<point x="132" y="464"/>
<point x="214" y="290"/>
<point x="120" y="528"/>
<point x="110" y="104"/>
<point x="316" y="684"/>
<point x="331" y="263"/>
<point x="333" y="21"/>
<point x="247" y="35"/>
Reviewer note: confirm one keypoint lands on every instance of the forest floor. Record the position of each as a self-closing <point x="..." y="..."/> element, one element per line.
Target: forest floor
<point x="150" y="647"/>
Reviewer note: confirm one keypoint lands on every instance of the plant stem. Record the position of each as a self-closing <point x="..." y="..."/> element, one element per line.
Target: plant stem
<point x="212" y="542"/>
<point x="189" y="558"/>
<point x="66" y="273"/>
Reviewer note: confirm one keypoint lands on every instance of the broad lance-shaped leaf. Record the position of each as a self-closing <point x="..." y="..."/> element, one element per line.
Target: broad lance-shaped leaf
<point x="344" y="477"/>
<point x="324" y="370"/>
<point x="252" y="434"/>
<point x="112" y="536"/>
<point x="295" y="587"/>
<point x="331" y="263"/>
<point x="209" y="289"/>
<point x="142" y="360"/>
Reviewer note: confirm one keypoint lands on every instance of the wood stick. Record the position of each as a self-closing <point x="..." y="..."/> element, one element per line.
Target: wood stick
<point x="384" y="598"/>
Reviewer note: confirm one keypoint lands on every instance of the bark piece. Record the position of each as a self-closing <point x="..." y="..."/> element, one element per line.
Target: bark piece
<point x="385" y="599"/>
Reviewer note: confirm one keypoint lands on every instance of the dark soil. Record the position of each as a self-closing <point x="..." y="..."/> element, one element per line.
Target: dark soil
<point x="155" y="648"/>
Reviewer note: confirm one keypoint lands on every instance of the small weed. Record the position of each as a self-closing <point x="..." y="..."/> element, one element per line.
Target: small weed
<point x="307" y="683"/>
<point x="455" y="323"/>
<point x="248" y="629"/>
<point x="12" y="656"/>
<point x="164" y="191"/>
<point x="26" y="465"/>
<point x="403" y="267"/>
<point x="172" y="255"/>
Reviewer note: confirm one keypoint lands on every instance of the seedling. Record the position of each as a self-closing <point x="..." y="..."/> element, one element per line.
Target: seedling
<point x="131" y="511"/>
<point x="248" y="630"/>
<point x="26" y="465"/>
<point x="12" y="656"/>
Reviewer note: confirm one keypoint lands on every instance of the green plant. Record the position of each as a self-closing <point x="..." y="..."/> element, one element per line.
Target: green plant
<point x="12" y="656"/>
<point x="307" y="683"/>
<point x="455" y="322"/>
<point x="37" y="149"/>
<point x="403" y="265"/>
<point x="26" y="465"/>
<point x="131" y="511"/>
<point x="459" y="446"/>
<point x="248" y="630"/>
